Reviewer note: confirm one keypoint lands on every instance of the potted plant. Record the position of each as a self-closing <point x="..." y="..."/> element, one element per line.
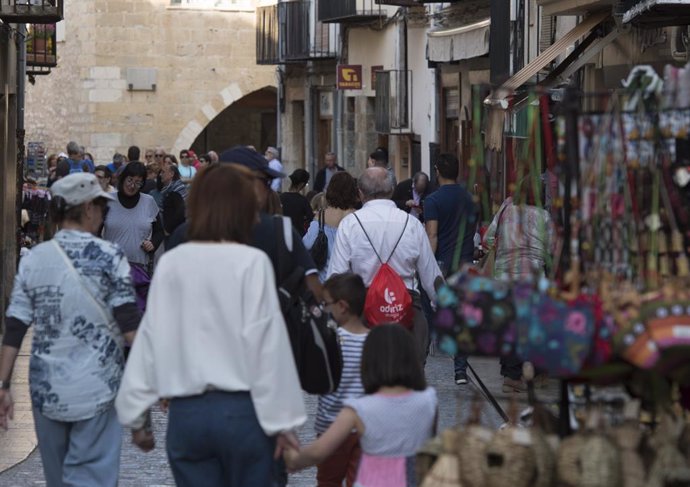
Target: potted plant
<point x="40" y="38"/>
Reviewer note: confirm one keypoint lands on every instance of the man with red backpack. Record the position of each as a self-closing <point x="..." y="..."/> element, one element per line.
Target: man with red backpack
<point x="386" y="247"/>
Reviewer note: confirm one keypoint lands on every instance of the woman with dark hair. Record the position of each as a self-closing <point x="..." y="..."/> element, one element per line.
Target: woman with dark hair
<point x="173" y="195"/>
<point x="341" y="200"/>
<point x="51" y="164"/>
<point x="223" y="358"/>
<point x="104" y="175"/>
<point x="393" y="420"/>
<point x="294" y="204"/>
<point x="133" y="224"/>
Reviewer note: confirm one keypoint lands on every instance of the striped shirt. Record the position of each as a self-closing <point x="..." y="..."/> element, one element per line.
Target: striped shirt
<point x="350" y="386"/>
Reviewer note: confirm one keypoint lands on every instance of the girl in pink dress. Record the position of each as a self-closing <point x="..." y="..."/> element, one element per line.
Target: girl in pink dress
<point x="394" y="419"/>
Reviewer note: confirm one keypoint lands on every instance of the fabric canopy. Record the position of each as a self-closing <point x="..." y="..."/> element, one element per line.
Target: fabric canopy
<point x="465" y="42"/>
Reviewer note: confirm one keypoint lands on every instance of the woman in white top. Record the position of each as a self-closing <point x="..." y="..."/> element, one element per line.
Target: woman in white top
<point x="223" y="358"/>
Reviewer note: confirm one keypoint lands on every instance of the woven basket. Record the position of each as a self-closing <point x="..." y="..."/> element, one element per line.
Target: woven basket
<point x="600" y="463"/>
<point x="445" y="472"/>
<point x="628" y="437"/>
<point x="669" y="462"/>
<point x="471" y="451"/>
<point x="427" y="456"/>
<point x="510" y="459"/>
<point x="567" y="462"/>
<point x="545" y="459"/>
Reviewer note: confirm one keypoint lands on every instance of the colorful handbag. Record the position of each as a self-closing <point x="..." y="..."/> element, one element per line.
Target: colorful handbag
<point x="632" y="341"/>
<point x="555" y="336"/>
<point x="475" y="316"/>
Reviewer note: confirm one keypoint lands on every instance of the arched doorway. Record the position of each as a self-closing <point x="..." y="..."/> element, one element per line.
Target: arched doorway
<point x="251" y="120"/>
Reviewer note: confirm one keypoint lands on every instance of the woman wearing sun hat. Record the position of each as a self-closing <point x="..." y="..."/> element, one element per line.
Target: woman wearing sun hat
<point x="76" y="292"/>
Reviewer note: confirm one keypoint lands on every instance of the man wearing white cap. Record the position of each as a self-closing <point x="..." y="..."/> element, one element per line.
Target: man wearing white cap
<point x="76" y="292"/>
<point x="275" y="164"/>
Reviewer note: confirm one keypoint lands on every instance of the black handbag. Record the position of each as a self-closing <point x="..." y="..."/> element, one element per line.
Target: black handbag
<point x="319" y="251"/>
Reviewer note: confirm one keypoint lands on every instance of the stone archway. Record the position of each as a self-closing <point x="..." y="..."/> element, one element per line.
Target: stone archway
<point x="214" y="117"/>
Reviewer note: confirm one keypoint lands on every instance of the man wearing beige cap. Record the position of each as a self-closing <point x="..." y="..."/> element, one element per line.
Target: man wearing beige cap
<point x="76" y="292"/>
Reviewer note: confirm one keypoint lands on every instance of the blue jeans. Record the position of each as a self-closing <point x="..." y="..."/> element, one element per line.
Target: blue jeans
<point x="215" y="440"/>
<point x="460" y="364"/>
<point x="80" y="453"/>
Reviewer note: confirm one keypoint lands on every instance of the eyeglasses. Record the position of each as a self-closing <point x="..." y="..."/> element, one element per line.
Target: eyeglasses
<point x="130" y="181"/>
<point x="159" y="156"/>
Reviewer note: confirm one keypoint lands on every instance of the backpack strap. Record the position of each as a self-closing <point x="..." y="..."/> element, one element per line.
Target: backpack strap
<point x="372" y="244"/>
<point x="287" y="232"/>
<point x="321" y="220"/>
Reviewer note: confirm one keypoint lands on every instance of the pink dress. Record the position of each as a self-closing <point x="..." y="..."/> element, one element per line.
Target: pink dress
<point x="395" y="428"/>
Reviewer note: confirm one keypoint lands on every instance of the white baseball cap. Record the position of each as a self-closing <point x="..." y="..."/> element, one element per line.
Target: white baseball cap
<point x="79" y="188"/>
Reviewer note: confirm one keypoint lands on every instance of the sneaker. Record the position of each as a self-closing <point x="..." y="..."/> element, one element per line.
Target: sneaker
<point x="460" y="378"/>
<point x="512" y="385"/>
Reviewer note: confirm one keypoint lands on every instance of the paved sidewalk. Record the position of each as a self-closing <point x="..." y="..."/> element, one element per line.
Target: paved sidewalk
<point x="151" y="470"/>
<point x="20" y="439"/>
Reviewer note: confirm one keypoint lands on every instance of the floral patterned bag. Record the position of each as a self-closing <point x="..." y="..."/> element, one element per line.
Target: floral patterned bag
<point x="475" y="316"/>
<point x="555" y="336"/>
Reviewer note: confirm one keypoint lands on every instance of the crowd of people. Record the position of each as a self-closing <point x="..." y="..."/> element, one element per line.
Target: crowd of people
<point x="182" y="260"/>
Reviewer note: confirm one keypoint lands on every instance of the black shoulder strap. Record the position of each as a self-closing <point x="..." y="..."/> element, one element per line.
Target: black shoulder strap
<point x="372" y="244"/>
<point x="321" y="220"/>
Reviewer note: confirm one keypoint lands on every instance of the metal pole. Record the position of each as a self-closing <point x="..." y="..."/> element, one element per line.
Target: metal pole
<point x="20" y="40"/>
<point x="571" y="105"/>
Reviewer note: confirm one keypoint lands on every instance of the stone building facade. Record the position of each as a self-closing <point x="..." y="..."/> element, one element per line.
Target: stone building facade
<point x="153" y="73"/>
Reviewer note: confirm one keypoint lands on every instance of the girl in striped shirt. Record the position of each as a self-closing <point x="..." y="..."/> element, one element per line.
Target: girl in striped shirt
<point x="344" y="296"/>
<point x="393" y="420"/>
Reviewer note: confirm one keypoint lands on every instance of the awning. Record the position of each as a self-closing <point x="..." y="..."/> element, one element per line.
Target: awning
<point x="497" y="99"/>
<point x="465" y="42"/>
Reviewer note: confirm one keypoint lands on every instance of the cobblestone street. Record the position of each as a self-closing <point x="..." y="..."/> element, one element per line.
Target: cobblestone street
<point x="151" y="470"/>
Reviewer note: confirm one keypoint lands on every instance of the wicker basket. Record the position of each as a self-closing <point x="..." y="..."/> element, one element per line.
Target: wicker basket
<point x="600" y="463"/>
<point x="545" y="459"/>
<point x="510" y="459"/>
<point x="669" y="462"/>
<point x="471" y="451"/>
<point x="445" y="472"/>
<point x="427" y="456"/>
<point x="568" y="458"/>
<point x="628" y="437"/>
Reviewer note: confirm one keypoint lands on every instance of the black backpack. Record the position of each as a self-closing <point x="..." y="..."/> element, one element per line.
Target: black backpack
<point x="314" y="340"/>
<point x="319" y="250"/>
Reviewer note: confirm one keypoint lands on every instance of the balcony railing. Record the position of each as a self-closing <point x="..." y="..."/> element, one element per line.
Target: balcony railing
<point x="393" y="104"/>
<point x="31" y="11"/>
<point x="302" y="37"/>
<point x="655" y="13"/>
<point x="400" y="3"/>
<point x="267" y="35"/>
<point x="41" y="46"/>
<point x="349" y="10"/>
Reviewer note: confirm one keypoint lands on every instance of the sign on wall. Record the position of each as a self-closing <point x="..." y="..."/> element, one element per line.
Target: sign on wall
<point x="349" y="76"/>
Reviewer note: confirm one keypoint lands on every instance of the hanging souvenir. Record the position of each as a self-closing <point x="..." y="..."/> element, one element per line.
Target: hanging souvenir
<point x="475" y="316"/>
<point x="472" y="444"/>
<point x="445" y="472"/>
<point x="552" y="335"/>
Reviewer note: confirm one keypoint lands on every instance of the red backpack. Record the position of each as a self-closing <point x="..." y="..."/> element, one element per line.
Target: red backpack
<point x="387" y="300"/>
